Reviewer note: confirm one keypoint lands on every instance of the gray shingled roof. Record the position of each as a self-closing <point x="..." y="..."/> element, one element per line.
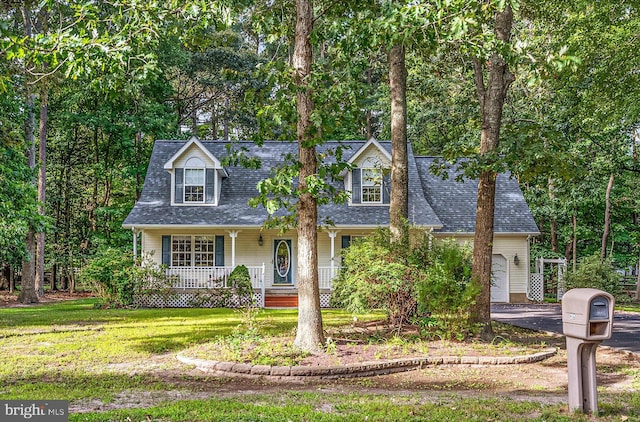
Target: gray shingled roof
<point x="429" y="196"/>
<point x="455" y="202"/>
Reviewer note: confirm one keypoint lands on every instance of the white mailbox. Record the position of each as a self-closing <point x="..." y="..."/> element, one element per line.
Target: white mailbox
<point x="587" y="314"/>
<point x="587" y="319"/>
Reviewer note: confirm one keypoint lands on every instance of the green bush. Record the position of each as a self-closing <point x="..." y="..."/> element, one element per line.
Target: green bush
<point x="109" y="271"/>
<point x="597" y="274"/>
<point x="446" y="293"/>
<point x="238" y="285"/>
<point x="427" y="282"/>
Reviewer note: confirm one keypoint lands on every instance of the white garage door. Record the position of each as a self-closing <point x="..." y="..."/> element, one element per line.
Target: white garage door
<point x="500" y="279"/>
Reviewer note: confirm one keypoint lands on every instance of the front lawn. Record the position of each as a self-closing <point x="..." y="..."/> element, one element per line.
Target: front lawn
<point x="120" y="365"/>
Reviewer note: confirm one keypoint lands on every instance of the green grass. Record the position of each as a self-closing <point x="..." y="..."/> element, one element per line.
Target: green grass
<point x="70" y="350"/>
<point x="306" y="406"/>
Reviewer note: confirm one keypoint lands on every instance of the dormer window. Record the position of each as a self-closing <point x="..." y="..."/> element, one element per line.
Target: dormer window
<point x="196" y="175"/>
<point x="371" y="185"/>
<point x="194" y="180"/>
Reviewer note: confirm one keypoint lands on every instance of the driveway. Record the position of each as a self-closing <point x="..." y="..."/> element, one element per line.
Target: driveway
<point x="548" y="317"/>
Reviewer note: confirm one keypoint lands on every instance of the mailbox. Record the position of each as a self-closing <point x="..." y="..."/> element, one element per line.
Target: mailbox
<point x="587" y="314"/>
<point x="587" y="319"/>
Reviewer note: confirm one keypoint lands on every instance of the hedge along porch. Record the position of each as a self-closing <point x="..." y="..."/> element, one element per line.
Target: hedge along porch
<point x="193" y="217"/>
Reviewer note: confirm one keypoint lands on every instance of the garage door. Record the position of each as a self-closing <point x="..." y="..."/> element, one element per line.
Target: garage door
<point x="500" y="279"/>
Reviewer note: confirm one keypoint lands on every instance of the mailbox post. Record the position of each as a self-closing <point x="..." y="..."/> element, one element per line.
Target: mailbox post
<point x="587" y="319"/>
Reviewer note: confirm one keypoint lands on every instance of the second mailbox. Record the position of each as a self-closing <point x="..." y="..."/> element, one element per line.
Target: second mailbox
<point x="587" y="314"/>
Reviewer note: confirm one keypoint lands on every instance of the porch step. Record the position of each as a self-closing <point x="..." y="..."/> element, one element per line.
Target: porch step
<point x="281" y="301"/>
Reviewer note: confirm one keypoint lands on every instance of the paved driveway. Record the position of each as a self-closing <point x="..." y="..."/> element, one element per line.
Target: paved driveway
<point x="548" y="317"/>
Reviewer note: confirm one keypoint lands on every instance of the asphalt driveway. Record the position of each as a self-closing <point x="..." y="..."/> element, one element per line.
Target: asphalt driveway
<point x="548" y="317"/>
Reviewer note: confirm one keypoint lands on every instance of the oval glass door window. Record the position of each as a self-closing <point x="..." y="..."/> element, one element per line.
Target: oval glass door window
<point x="283" y="259"/>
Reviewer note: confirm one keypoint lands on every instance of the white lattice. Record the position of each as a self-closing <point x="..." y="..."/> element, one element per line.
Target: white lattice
<point x="184" y="299"/>
<point x="325" y="299"/>
<point x="536" y="287"/>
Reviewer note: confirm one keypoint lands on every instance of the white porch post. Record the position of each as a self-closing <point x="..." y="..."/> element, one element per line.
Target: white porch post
<point x="332" y="234"/>
<point x="135" y="244"/>
<point x="233" y="234"/>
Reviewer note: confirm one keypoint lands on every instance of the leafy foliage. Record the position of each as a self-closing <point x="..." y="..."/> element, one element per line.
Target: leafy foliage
<point x="428" y="282"/>
<point x="110" y="272"/>
<point x="597" y="274"/>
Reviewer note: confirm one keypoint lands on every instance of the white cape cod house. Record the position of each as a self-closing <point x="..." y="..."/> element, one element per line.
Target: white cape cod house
<point x="193" y="217"/>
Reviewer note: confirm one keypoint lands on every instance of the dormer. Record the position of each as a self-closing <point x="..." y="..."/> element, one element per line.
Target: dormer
<point x="196" y="175"/>
<point x="369" y="181"/>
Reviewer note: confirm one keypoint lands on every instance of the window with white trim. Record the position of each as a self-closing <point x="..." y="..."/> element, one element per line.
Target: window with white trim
<point x="371" y="185"/>
<point x="194" y="185"/>
<point x="196" y="251"/>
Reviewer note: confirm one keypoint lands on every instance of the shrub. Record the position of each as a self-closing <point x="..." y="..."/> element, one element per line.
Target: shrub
<point x="426" y="281"/>
<point x="446" y="293"/>
<point x="594" y="273"/>
<point x="109" y="271"/>
<point x="374" y="277"/>
<point x="238" y="285"/>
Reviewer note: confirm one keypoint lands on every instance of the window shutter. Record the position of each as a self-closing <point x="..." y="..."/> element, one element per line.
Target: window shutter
<point x="166" y="250"/>
<point x="346" y="241"/>
<point x="386" y="189"/>
<point x="179" y="182"/>
<point x="356" y="192"/>
<point x="210" y="186"/>
<point x="219" y="251"/>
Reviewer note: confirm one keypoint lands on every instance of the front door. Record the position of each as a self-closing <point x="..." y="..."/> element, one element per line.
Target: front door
<point x="282" y="267"/>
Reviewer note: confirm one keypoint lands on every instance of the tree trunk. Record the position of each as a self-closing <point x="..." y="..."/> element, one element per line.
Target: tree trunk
<point x="552" y="218"/>
<point x="309" y="335"/>
<point x="27" y="283"/>
<point x="399" y="207"/>
<point x="491" y="97"/>
<point x="574" y="257"/>
<point x="12" y="279"/>
<point x="607" y="218"/>
<point x="638" y="281"/>
<point x="42" y="184"/>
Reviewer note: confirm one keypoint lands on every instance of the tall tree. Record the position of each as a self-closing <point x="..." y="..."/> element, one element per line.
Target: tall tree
<point x="491" y="90"/>
<point x="399" y="207"/>
<point x="309" y="335"/>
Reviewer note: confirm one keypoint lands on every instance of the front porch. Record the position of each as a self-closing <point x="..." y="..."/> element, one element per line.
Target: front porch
<point x="187" y="283"/>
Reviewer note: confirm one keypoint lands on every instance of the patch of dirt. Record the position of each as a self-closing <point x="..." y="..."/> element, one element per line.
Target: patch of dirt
<point x="8" y="300"/>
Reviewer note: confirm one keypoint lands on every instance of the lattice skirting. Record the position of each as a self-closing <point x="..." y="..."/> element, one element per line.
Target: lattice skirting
<point x="189" y="299"/>
<point x="199" y="299"/>
<point x="536" y="287"/>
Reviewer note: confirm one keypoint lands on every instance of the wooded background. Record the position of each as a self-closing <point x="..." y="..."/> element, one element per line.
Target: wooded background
<point x="86" y="88"/>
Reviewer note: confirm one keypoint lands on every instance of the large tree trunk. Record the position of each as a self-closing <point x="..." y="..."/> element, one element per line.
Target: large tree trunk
<point x="309" y="335"/>
<point x="491" y="97"/>
<point x="27" y="283"/>
<point x="607" y="219"/>
<point x="574" y="256"/>
<point x="42" y="184"/>
<point x="399" y="207"/>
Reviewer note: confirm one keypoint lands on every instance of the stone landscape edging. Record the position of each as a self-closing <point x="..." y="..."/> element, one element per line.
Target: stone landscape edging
<point x="359" y="369"/>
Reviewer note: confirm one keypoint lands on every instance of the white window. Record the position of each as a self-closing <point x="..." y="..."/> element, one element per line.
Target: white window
<point x="203" y="249"/>
<point x="196" y="251"/>
<point x="371" y="185"/>
<point x="193" y="185"/>
<point x="181" y="251"/>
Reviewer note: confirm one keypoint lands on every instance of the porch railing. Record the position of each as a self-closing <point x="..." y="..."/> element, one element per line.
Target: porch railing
<point x="218" y="277"/>
<point x="210" y="277"/>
